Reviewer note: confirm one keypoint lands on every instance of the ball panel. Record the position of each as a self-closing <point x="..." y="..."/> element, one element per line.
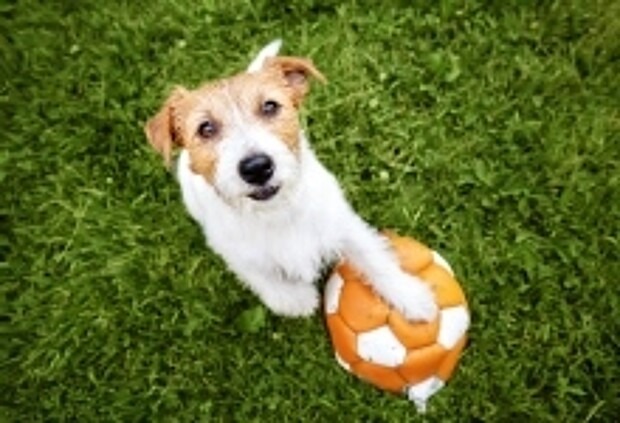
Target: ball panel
<point x="413" y="335"/>
<point x="380" y="376"/>
<point x="421" y="392"/>
<point x="380" y="346"/>
<point x="422" y="363"/>
<point x="360" y="307"/>
<point x="343" y="339"/>
<point x="439" y="260"/>
<point x="454" y="324"/>
<point x="447" y="290"/>
<point x="412" y="255"/>
<point x="449" y="364"/>
<point x="347" y="271"/>
<point x="333" y="289"/>
<point x="342" y="363"/>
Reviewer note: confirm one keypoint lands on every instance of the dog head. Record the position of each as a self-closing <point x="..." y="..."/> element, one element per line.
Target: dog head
<point x="242" y="133"/>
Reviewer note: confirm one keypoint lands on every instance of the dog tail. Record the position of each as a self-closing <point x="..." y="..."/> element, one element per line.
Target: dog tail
<point x="270" y="50"/>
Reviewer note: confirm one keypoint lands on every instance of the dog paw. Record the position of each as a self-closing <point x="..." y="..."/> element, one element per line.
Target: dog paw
<point x="294" y="301"/>
<point x="413" y="299"/>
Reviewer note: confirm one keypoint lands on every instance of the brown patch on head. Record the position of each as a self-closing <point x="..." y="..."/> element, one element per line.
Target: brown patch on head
<point x="296" y="71"/>
<point x="203" y="158"/>
<point x="265" y="100"/>
<point x="202" y="123"/>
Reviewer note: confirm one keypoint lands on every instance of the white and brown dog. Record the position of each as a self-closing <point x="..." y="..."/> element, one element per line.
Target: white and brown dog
<point x="266" y="204"/>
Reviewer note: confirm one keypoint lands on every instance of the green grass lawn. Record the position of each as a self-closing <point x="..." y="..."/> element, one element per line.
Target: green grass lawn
<point x="490" y="131"/>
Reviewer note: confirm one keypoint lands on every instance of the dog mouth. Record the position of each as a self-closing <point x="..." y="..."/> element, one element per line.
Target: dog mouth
<point x="264" y="193"/>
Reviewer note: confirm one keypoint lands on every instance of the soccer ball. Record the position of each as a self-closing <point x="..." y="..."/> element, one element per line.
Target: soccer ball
<point x="379" y="345"/>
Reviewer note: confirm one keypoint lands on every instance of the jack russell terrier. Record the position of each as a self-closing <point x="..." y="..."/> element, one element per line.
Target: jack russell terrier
<point x="264" y="201"/>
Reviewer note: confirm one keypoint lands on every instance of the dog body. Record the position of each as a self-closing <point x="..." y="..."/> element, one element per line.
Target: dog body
<point x="278" y="251"/>
<point x="264" y="201"/>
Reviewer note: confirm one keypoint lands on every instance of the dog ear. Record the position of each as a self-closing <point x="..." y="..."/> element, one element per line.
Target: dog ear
<point x="270" y="50"/>
<point x="161" y="130"/>
<point x="297" y="72"/>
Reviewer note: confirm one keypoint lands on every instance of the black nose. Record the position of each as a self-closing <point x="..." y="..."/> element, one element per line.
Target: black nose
<point x="256" y="169"/>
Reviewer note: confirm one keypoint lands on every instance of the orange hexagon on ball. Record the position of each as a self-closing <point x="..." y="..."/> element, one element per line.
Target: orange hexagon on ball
<point x="376" y="343"/>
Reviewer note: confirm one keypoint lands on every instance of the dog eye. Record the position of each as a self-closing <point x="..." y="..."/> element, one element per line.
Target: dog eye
<point x="207" y="129"/>
<point x="270" y="108"/>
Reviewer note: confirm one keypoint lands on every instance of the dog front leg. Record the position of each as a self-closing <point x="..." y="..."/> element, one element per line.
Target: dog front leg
<point x="370" y="253"/>
<point x="282" y="296"/>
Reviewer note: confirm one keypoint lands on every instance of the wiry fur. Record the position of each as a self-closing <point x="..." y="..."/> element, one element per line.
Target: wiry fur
<point x="277" y="247"/>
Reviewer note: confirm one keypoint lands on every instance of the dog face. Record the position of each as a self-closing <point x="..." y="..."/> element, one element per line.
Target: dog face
<point x="242" y="133"/>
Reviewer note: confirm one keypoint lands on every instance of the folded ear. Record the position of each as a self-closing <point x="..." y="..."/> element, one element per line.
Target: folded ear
<point x="297" y="72"/>
<point x="161" y="130"/>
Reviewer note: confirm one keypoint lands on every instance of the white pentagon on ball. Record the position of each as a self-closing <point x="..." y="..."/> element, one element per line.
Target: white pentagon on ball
<point x="421" y="392"/>
<point x="380" y="346"/>
<point x="454" y="324"/>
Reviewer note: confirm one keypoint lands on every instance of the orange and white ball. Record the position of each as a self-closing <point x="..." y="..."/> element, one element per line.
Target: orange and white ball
<point x="378" y="344"/>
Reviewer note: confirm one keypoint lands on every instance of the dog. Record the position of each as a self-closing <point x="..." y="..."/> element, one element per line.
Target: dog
<point x="265" y="202"/>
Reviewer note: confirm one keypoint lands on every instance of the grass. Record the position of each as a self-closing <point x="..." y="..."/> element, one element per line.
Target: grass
<point x="490" y="131"/>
